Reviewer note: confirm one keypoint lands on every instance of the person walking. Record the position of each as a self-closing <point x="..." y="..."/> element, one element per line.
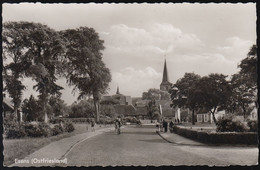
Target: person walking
<point x="93" y="125"/>
<point x="171" y="125"/>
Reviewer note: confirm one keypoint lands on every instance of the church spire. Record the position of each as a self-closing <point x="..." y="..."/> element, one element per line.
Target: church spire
<point x="165" y="85"/>
<point x="117" y="91"/>
<point x="165" y="73"/>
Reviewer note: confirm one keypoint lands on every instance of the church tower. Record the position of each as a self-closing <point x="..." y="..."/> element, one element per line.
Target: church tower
<point x="165" y="85"/>
<point x="117" y="91"/>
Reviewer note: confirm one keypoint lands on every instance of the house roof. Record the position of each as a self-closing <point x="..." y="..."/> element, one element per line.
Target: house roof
<point x="7" y="105"/>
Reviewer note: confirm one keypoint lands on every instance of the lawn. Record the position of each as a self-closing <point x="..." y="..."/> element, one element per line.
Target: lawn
<point x="20" y="148"/>
<point x="200" y="126"/>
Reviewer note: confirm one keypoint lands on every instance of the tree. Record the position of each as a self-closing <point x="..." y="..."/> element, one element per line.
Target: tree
<point x="214" y="92"/>
<point x="15" y="63"/>
<point x="86" y="70"/>
<point x="248" y="65"/>
<point x="152" y="109"/>
<point x="184" y="93"/>
<point x="44" y="49"/>
<point x="82" y="109"/>
<point x="31" y="109"/>
<point x="58" y="106"/>
<point x="156" y="94"/>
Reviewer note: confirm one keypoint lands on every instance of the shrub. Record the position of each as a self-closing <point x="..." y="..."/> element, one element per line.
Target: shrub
<point x="36" y="129"/>
<point x="228" y="124"/>
<point x="253" y="125"/>
<point x="15" y="132"/>
<point x="249" y="138"/>
<point x="56" y="130"/>
<point x="68" y="126"/>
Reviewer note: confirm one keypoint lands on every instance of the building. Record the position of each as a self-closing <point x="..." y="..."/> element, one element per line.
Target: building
<point x="205" y="116"/>
<point x="8" y="110"/>
<point x="165" y="85"/>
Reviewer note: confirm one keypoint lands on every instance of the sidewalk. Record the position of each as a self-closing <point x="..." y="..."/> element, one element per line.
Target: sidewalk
<point x="57" y="150"/>
<point x="177" y="139"/>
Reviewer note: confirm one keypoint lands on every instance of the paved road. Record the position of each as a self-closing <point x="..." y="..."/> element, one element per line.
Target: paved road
<point x="140" y="147"/>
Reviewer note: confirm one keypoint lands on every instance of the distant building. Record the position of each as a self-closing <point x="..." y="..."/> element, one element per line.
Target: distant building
<point x="205" y="116"/>
<point x="8" y="110"/>
<point x="165" y="85"/>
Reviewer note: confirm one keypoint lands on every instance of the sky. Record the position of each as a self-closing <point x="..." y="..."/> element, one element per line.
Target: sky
<point x="199" y="38"/>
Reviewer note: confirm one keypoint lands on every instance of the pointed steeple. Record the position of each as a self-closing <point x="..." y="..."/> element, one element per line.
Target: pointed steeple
<point x="165" y="85"/>
<point x="165" y="73"/>
<point x="117" y="91"/>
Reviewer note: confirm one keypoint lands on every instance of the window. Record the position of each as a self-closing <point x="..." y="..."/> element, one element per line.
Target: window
<point x="199" y="116"/>
<point x="206" y="117"/>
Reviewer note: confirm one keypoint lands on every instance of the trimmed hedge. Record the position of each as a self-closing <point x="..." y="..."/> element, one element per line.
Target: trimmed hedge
<point x="249" y="138"/>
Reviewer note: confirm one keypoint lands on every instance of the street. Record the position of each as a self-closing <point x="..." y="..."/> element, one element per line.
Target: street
<point x="141" y="146"/>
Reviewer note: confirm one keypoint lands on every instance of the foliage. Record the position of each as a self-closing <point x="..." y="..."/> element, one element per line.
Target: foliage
<point x="248" y="138"/>
<point x="186" y="94"/>
<point x="156" y="94"/>
<point x="85" y="68"/>
<point x="243" y="94"/>
<point x="36" y="129"/>
<point x="82" y="109"/>
<point x="249" y="65"/>
<point x="68" y="126"/>
<point x="229" y="124"/>
<point x="13" y="130"/>
<point x="107" y="110"/>
<point x="31" y="109"/>
<point x="152" y="109"/>
<point x="14" y="62"/>
<point x="132" y="120"/>
<point x="58" y="107"/>
<point x="253" y="125"/>
<point x="215" y="92"/>
<point x="45" y="49"/>
<point x="56" y="130"/>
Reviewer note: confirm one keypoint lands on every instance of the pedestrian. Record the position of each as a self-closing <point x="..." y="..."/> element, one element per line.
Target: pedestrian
<point x="166" y="126"/>
<point x="171" y="124"/>
<point x="93" y="125"/>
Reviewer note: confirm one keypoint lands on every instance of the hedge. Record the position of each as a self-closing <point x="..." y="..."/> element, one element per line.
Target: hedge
<point x="249" y="138"/>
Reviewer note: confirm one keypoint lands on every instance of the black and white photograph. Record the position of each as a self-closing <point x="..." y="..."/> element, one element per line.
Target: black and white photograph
<point x="129" y="84"/>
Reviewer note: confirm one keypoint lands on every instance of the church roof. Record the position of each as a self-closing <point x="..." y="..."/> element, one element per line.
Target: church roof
<point x="165" y="78"/>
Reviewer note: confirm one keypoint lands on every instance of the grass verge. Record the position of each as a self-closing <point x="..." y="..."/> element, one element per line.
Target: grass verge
<point x="20" y="148"/>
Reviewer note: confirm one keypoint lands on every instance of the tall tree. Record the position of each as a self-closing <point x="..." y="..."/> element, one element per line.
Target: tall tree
<point x="248" y="65"/>
<point x="14" y="62"/>
<point x="184" y="93"/>
<point x="152" y="109"/>
<point x="86" y="70"/>
<point x="31" y="109"/>
<point x="243" y="93"/>
<point x="214" y="93"/>
<point x="44" y="49"/>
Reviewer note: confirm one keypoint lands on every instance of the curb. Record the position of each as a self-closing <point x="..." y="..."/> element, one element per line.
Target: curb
<point x="177" y="143"/>
<point x="96" y="133"/>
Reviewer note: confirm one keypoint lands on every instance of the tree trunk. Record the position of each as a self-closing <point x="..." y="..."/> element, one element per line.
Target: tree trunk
<point x="45" y="114"/>
<point x="244" y="112"/>
<point x="214" y="118"/>
<point x="96" y="105"/>
<point x="193" y="117"/>
<point x="16" y="114"/>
